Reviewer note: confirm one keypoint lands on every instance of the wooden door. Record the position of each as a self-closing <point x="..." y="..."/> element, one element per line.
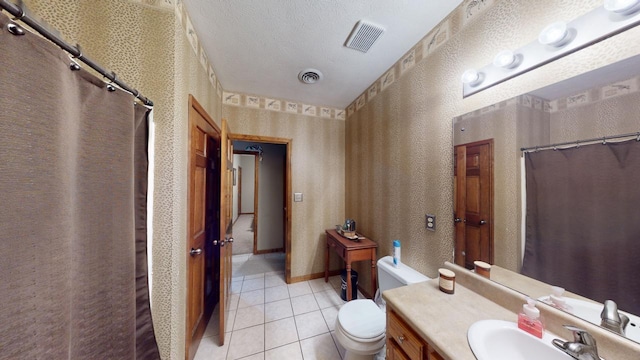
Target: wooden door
<point x="473" y="195"/>
<point x="202" y="139"/>
<point x="226" y="228"/>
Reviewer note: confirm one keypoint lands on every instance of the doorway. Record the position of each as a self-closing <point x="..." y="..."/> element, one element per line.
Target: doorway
<point x="271" y="160"/>
<point x="473" y="197"/>
<point x="245" y="206"/>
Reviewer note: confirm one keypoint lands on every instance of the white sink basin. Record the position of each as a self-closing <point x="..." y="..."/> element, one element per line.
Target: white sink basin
<point x="591" y="312"/>
<point x="502" y="340"/>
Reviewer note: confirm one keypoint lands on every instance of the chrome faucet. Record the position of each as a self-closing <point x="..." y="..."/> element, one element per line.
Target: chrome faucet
<point x="612" y="319"/>
<point x="583" y="346"/>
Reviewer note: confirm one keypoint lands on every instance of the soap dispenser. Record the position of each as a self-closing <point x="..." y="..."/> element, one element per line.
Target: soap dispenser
<point x="558" y="301"/>
<point x="529" y="319"/>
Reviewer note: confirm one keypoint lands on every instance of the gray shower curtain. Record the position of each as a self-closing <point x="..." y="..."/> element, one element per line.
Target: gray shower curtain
<point x="73" y="170"/>
<point x="583" y="221"/>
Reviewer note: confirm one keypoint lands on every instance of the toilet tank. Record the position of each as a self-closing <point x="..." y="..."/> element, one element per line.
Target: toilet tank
<point x="390" y="277"/>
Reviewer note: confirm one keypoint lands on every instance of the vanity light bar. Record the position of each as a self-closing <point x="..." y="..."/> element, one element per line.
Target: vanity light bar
<point x="555" y="41"/>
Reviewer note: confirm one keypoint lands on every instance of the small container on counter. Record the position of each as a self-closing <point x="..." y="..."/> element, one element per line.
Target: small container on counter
<point x="447" y="282"/>
<point x="482" y="268"/>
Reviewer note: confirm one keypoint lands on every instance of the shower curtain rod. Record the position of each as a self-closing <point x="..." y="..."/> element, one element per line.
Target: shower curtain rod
<point x="21" y="15"/>
<point x="582" y="142"/>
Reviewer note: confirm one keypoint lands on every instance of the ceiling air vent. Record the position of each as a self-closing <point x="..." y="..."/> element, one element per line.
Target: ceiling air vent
<point x="310" y="76"/>
<point x="363" y="36"/>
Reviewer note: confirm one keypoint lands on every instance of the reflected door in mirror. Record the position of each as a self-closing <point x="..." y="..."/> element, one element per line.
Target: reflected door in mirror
<point x="473" y="195"/>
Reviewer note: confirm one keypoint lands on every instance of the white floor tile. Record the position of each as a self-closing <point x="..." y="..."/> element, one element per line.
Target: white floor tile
<point x="319" y="347"/>
<point x="231" y="318"/>
<point x="246" y="342"/>
<point x="318" y="285"/>
<point x="300" y="288"/>
<point x="276" y="293"/>
<point x="277" y="310"/>
<point x="274" y="280"/>
<point x="335" y="281"/>
<point x="287" y="352"/>
<point x="236" y="286"/>
<point x="259" y="356"/>
<point x="249" y="316"/>
<point x="213" y="327"/>
<point x="209" y="348"/>
<point x="278" y="333"/>
<point x="304" y="304"/>
<point x="310" y="324"/>
<point x="233" y="301"/>
<point x="329" y="298"/>
<point x="251" y="298"/>
<point x="254" y="276"/>
<point x="330" y="315"/>
<point x="341" y="349"/>
<point x="252" y="284"/>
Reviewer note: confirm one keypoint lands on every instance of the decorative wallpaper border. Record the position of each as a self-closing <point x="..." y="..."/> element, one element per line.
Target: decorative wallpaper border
<point x="597" y="94"/>
<point x="238" y="99"/>
<point x="280" y="105"/>
<point x="466" y="13"/>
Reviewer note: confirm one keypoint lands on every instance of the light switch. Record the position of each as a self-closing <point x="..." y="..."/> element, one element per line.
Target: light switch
<point x="297" y="197"/>
<point x="431" y="222"/>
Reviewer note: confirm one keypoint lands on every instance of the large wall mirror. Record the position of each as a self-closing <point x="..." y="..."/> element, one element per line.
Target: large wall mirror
<point x="598" y="104"/>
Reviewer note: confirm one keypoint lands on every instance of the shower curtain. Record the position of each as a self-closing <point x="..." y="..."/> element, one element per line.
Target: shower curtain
<point x="73" y="170"/>
<point x="583" y="221"/>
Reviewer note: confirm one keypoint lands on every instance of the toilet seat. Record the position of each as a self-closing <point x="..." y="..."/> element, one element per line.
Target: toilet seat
<point x="362" y="321"/>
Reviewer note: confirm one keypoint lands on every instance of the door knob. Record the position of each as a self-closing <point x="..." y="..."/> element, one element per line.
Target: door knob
<point x="457" y="220"/>
<point x="230" y="240"/>
<point x="195" y="252"/>
<point x="221" y="242"/>
<point x="215" y="242"/>
<point x="464" y="253"/>
<point x="482" y="222"/>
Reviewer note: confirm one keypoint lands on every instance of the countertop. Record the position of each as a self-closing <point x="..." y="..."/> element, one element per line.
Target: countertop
<point x="442" y="319"/>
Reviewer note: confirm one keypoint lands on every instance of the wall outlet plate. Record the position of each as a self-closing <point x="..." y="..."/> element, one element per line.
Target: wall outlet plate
<point x="297" y="197"/>
<point x="431" y="222"/>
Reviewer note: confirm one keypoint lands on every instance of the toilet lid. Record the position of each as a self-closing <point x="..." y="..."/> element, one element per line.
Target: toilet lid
<point x="362" y="319"/>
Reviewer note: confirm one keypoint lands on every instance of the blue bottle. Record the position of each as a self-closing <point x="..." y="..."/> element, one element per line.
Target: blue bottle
<point x="396" y="253"/>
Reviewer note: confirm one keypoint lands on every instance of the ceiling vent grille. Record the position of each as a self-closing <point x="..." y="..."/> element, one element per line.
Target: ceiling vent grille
<point x="310" y="76"/>
<point x="363" y="36"/>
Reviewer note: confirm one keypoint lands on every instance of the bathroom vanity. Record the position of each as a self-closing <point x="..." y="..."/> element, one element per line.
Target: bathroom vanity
<point x="425" y="323"/>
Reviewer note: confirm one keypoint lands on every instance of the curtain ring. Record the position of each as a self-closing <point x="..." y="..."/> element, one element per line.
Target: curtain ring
<point x="15" y="29"/>
<point x="79" y="49"/>
<point x="110" y="86"/>
<point x="604" y="140"/>
<point x="638" y="138"/>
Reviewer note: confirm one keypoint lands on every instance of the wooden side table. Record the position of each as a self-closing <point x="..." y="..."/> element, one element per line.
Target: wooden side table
<point x="349" y="251"/>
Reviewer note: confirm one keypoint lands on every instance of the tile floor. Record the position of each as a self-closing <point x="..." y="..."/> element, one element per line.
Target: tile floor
<point x="269" y="319"/>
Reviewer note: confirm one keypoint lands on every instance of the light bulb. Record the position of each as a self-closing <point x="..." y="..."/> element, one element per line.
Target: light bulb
<point x="471" y="77"/>
<point x="621" y="6"/>
<point x="505" y="59"/>
<point x="554" y="34"/>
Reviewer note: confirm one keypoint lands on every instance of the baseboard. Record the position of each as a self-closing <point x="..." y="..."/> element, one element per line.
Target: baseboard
<point x="314" y="276"/>
<point x="269" y="251"/>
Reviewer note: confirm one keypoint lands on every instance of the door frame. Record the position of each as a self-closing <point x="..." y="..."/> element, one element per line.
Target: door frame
<point x="288" y="202"/>
<point x="190" y="345"/>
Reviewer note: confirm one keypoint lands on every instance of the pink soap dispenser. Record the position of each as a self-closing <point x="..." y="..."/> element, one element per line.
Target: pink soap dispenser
<point x="529" y="319"/>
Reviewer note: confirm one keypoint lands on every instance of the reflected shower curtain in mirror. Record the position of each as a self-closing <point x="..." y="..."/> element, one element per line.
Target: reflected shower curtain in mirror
<point x="72" y="206"/>
<point x="583" y="221"/>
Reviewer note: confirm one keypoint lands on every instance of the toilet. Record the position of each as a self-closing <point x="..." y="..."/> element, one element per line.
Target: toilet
<point x="361" y="324"/>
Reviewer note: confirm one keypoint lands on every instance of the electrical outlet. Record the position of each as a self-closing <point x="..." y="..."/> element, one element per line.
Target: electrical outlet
<point x="431" y="222"/>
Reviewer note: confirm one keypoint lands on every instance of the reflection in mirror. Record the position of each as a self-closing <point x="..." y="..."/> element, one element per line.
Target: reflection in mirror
<point x="602" y="103"/>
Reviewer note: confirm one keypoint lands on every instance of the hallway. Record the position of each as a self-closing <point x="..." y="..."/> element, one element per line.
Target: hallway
<point x="243" y="234"/>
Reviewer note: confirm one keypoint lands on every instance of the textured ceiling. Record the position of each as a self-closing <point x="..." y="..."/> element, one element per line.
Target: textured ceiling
<point x="259" y="46"/>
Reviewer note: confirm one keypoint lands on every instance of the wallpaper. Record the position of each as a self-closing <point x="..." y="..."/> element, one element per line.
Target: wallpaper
<point x="402" y="137"/>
